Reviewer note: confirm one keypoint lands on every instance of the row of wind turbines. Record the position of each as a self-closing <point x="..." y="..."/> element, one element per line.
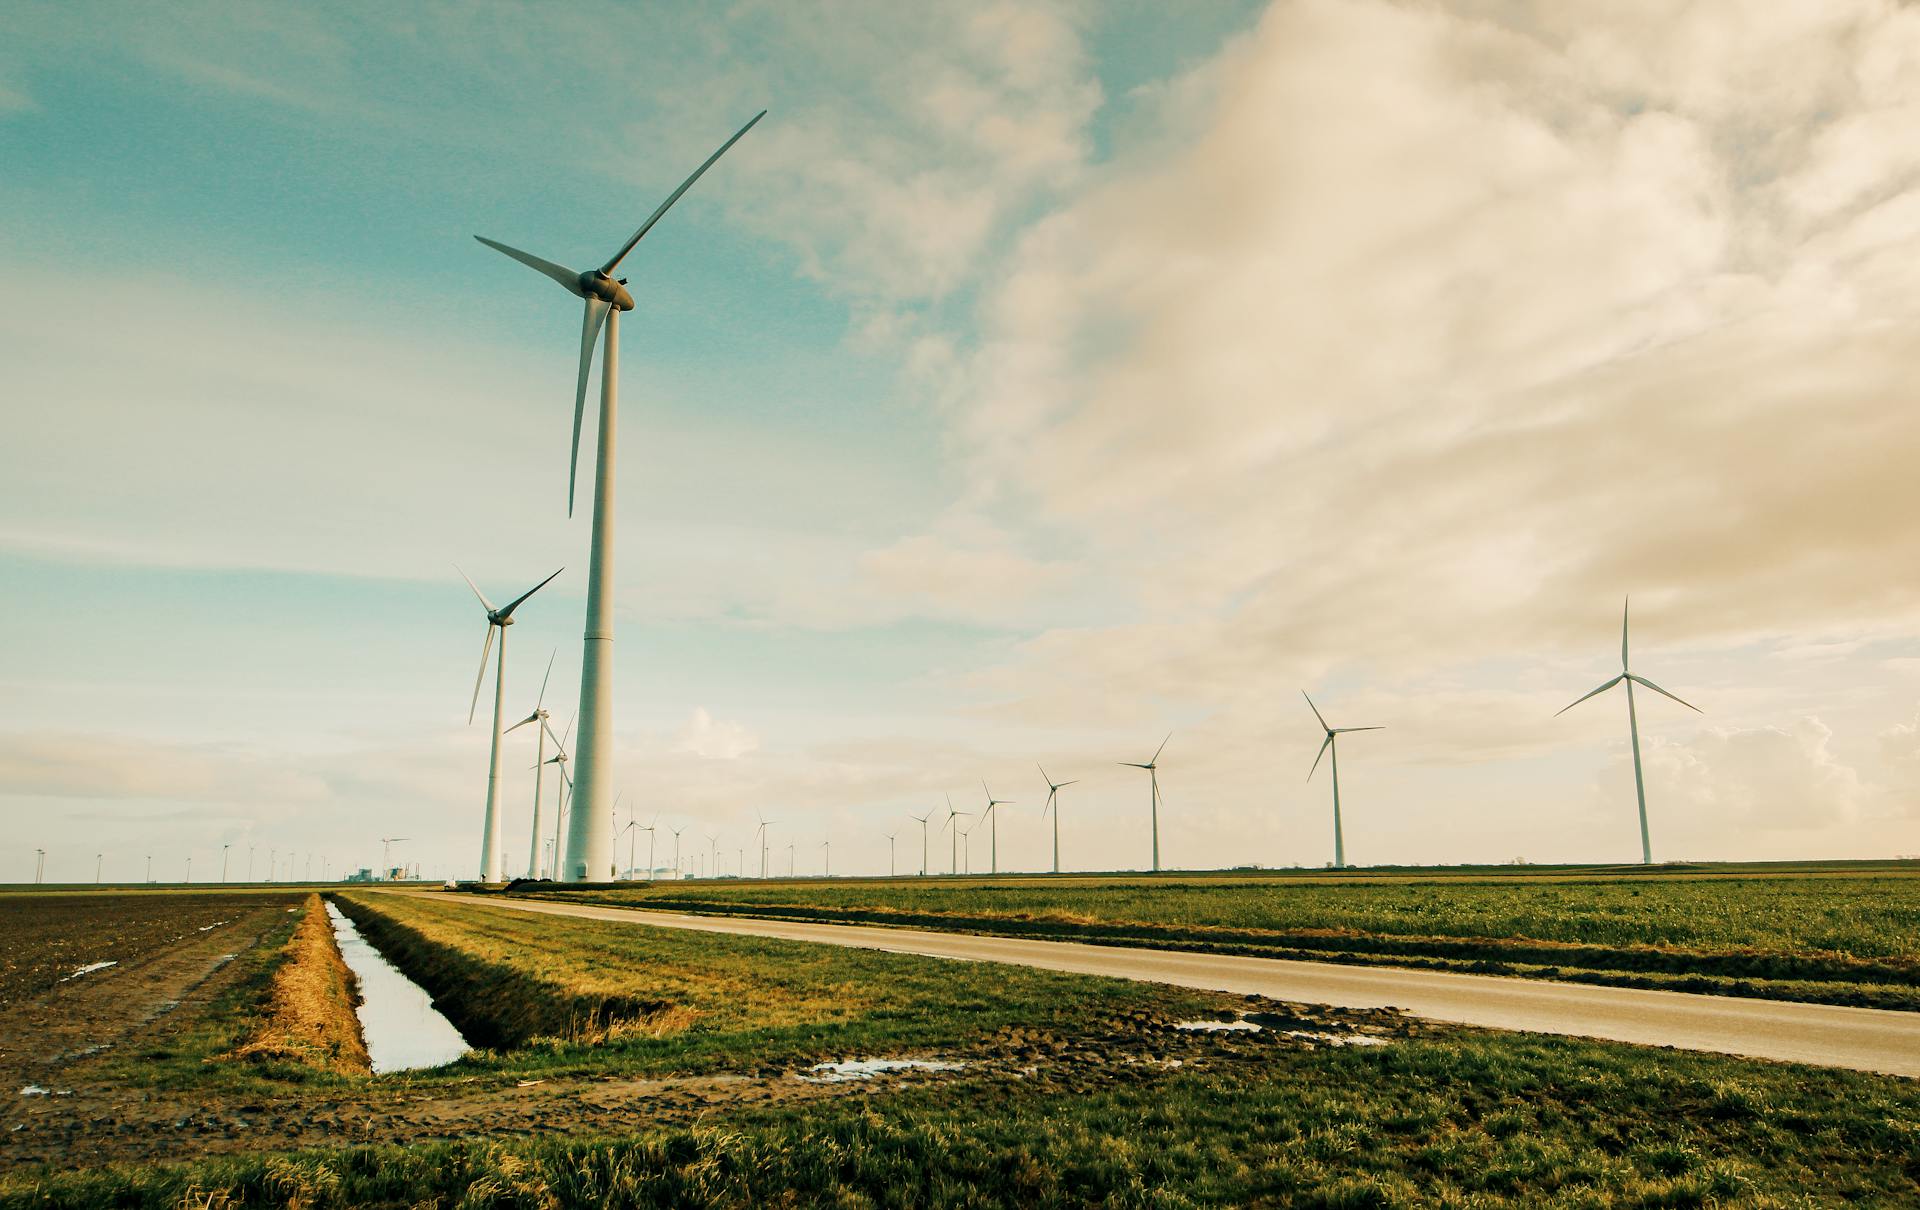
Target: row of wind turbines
<point x="581" y="848"/>
<point x="959" y="834"/>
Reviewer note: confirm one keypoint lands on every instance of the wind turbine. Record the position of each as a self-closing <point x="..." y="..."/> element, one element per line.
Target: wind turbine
<point x="677" y="871"/>
<point x="1053" y="804"/>
<point x="559" y="758"/>
<point x="713" y="842"/>
<point x="1153" y="772"/>
<point x="953" y="857"/>
<point x="994" y="827"/>
<point x="826" y="868"/>
<point x="385" y="843"/>
<point x="922" y="821"/>
<point x="761" y="833"/>
<point x="588" y="846"/>
<point x="1633" y="727"/>
<point x="1339" y="840"/>
<point x="497" y="619"/>
<point x="540" y="732"/>
<point x="890" y="836"/>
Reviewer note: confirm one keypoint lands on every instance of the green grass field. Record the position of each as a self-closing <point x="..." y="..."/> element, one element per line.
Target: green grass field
<point x="1076" y="1092"/>
<point x="1847" y="934"/>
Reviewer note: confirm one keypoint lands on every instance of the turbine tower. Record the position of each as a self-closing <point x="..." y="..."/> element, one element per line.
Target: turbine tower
<point x="541" y="733"/>
<point x="922" y="821"/>
<point x="590" y="838"/>
<point x="993" y="830"/>
<point x="1053" y="804"/>
<point x="1633" y="727"/>
<point x="1153" y="771"/>
<point x="1339" y="840"/>
<point x="497" y="619"/>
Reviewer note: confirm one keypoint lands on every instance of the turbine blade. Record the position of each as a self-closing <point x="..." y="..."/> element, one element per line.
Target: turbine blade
<point x="1641" y="680"/>
<point x="1131" y="765"/>
<point x="590" y="321"/>
<point x="1062" y="785"/>
<point x="515" y="603"/>
<point x="1624" y="605"/>
<point x="1316" y="711"/>
<point x="569" y="730"/>
<point x="523" y="722"/>
<point x="560" y="273"/>
<point x="552" y="736"/>
<point x="541" y="700"/>
<point x="675" y="195"/>
<point x="1043" y="772"/>
<point x="1602" y="689"/>
<point x="484" y="650"/>
<point x="1324" y="745"/>
<point x="476" y="588"/>
<point x="1344" y="730"/>
<point x="1160" y="749"/>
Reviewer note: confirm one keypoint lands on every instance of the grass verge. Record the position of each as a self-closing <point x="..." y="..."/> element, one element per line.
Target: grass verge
<point x="1836" y="937"/>
<point x="307" y="1015"/>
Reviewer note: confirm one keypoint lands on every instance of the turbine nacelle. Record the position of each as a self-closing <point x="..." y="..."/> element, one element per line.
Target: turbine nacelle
<point x="597" y="283"/>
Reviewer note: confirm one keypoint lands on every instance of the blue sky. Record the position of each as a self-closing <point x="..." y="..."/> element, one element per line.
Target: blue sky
<point x="1032" y="382"/>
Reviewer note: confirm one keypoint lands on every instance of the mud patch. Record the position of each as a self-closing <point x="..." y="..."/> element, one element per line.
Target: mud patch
<point x="867" y="1069"/>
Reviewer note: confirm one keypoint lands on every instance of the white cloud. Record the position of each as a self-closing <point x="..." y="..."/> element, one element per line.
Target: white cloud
<point x="1725" y="781"/>
<point x="715" y="739"/>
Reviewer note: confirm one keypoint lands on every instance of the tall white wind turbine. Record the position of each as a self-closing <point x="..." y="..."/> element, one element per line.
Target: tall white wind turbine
<point x="1153" y="771"/>
<point x="1053" y="804"/>
<point x="541" y="733"/>
<point x="497" y="619"/>
<point x="1633" y="727"/>
<point x="1339" y="838"/>
<point x="589" y="851"/>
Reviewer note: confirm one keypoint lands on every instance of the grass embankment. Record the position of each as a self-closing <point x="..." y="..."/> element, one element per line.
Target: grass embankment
<point x="307" y="1015"/>
<point x="1833" y="936"/>
<point x="1460" y="1120"/>
<point x="552" y="995"/>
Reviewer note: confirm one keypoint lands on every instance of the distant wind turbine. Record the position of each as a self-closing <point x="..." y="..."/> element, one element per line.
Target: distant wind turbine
<point x="589" y="845"/>
<point x="953" y="857"/>
<point x="1633" y="727"/>
<point x="497" y="619"/>
<point x="761" y="833"/>
<point x="1153" y="771"/>
<point x="1339" y="839"/>
<point x="541" y="732"/>
<point x="922" y="821"/>
<point x="890" y="854"/>
<point x="1053" y="804"/>
<point x="993" y="814"/>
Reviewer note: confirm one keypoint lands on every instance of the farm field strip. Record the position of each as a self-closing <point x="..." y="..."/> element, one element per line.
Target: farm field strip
<point x="1832" y="1035"/>
<point x="1848" y="937"/>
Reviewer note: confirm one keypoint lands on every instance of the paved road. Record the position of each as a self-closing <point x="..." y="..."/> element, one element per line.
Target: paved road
<point x="1864" y="1039"/>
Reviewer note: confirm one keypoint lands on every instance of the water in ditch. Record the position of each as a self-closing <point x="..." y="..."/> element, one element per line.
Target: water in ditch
<point x="402" y="1028"/>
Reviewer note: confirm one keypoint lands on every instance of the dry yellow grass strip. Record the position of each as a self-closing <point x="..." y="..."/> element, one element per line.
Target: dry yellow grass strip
<point x="308" y="1015"/>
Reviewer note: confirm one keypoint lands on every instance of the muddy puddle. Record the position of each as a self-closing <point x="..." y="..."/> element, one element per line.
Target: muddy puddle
<point x="866" y="1069"/>
<point x="402" y="1028"/>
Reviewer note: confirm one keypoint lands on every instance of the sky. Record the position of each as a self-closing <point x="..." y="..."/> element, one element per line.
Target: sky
<point x="1035" y="382"/>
